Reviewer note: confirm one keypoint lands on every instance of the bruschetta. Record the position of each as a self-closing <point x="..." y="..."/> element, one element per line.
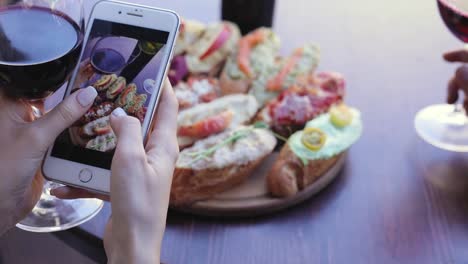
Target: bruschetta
<point x="310" y="96"/>
<point x="304" y="60"/>
<point x="196" y="91"/>
<point x="218" y="163"/>
<point x="190" y="31"/>
<point x="256" y="54"/>
<point x="207" y="119"/>
<point x="207" y="55"/>
<point x="311" y="152"/>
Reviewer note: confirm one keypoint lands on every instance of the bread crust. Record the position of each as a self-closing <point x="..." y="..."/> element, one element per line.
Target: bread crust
<point x="289" y="175"/>
<point x="189" y="186"/>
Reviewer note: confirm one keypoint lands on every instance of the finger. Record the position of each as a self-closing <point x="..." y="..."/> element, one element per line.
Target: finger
<point x="68" y="193"/>
<point x="465" y="105"/>
<point x="129" y="138"/>
<point x="63" y="115"/>
<point x="452" y="90"/>
<point x="461" y="77"/>
<point x="163" y="139"/>
<point x="456" y="56"/>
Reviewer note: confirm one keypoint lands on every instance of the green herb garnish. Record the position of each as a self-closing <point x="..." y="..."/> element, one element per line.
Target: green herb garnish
<point x="230" y="140"/>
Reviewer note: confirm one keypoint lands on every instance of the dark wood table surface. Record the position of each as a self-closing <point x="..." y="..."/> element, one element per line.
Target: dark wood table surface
<point x="397" y="200"/>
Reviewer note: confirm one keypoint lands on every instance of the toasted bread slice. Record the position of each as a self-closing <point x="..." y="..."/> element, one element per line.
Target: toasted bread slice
<point x="311" y="152"/>
<point x="289" y="175"/>
<point x="200" y="174"/>
<point x="244" y="107"/>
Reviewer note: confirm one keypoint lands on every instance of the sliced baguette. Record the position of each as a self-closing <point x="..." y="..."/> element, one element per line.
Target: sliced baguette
<point x="244" y="108"/>
<point x="289" y="175"/>
<point x="228" y="166"/>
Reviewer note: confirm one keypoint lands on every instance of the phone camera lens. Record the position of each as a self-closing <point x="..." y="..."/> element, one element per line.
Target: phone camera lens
<point x="120" y="12"/>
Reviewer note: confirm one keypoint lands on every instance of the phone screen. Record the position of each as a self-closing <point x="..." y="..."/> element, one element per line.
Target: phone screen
<point x="121" y="62"/>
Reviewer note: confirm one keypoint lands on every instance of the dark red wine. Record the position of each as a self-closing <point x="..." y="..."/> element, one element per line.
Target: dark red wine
<point x="39" y="48"/>
<point x="455" y="16"/>
<point x="108" y="60"/>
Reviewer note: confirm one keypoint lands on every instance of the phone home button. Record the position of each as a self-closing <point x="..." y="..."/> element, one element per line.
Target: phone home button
<point x="85" y="175"/>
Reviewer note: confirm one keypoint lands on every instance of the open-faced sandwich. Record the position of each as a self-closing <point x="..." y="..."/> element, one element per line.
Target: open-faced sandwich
<point x="310" y="96"/>
<point x="268" y="85"/>
<point x="311" y="152"/>
<point x="218" y="163"/>
<point x="207" y="119"/>
<point x="207" y="55"/>
<point x="189" y="32"/>
<point x="255" y="55"/>
<point x="196" y="91"/>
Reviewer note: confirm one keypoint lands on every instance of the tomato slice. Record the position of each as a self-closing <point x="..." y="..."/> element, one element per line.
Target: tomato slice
<point x="340" y="116"/>
<point x="313" y="138"/>
<point x="209" y="126"/>
<point x="220" y="40"/>
<point x="276" y="83"/>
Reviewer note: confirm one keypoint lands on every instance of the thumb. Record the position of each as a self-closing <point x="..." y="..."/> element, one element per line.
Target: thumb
<point x="64" y="114"/>
<point x="128" y="132"/>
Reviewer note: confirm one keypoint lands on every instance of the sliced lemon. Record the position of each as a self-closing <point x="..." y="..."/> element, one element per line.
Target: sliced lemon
<point x="313" y="138"/>
<point x="340" y="116"/>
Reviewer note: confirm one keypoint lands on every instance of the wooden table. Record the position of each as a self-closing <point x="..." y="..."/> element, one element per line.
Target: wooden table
<point x="398" y="200"/>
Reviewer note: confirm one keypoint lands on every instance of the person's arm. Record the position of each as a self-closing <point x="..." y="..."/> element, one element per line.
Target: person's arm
<point x="24" y="143"/>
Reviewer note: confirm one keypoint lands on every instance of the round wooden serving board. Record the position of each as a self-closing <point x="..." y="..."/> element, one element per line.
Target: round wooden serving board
<point x="252" y="199"/>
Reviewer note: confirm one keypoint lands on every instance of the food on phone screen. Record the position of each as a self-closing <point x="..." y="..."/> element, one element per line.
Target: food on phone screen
<point x="116" y="88"/>
<point x="127" y="95"/>
<point x="98" y="111"/>
<point x="105" y="82"/>
<point x="97" y="127"/>
<point x="103" y="143"/>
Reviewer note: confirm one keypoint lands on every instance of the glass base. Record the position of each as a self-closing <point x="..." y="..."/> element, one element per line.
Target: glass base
<point x="52" y="214"/>
<point x="444" y="126"/>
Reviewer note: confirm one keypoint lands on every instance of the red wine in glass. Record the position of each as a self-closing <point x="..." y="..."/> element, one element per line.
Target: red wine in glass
<point x="36" y="61"/>
<point x="455" y="16"/>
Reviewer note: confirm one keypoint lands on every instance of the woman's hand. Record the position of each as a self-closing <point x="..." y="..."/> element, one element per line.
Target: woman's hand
<point x="140" y="184"/>
<point x="459" y="82"/>
<point x="24" y="144"/>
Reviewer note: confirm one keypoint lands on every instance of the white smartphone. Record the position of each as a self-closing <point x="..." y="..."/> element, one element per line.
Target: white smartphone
<point x="125" y="56"/>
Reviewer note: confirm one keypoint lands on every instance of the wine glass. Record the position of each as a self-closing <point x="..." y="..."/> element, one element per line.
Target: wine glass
<point x="112" y="53"/>
<point x="446" y="126"/>
<point x="40" y="43"/>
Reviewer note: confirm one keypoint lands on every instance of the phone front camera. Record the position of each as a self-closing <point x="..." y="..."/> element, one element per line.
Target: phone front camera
<point x="120" y="12"/>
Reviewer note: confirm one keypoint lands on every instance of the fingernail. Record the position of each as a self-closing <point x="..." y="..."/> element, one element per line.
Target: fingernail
<point x="86" y="96"/>
<point x="119" y="112"/>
